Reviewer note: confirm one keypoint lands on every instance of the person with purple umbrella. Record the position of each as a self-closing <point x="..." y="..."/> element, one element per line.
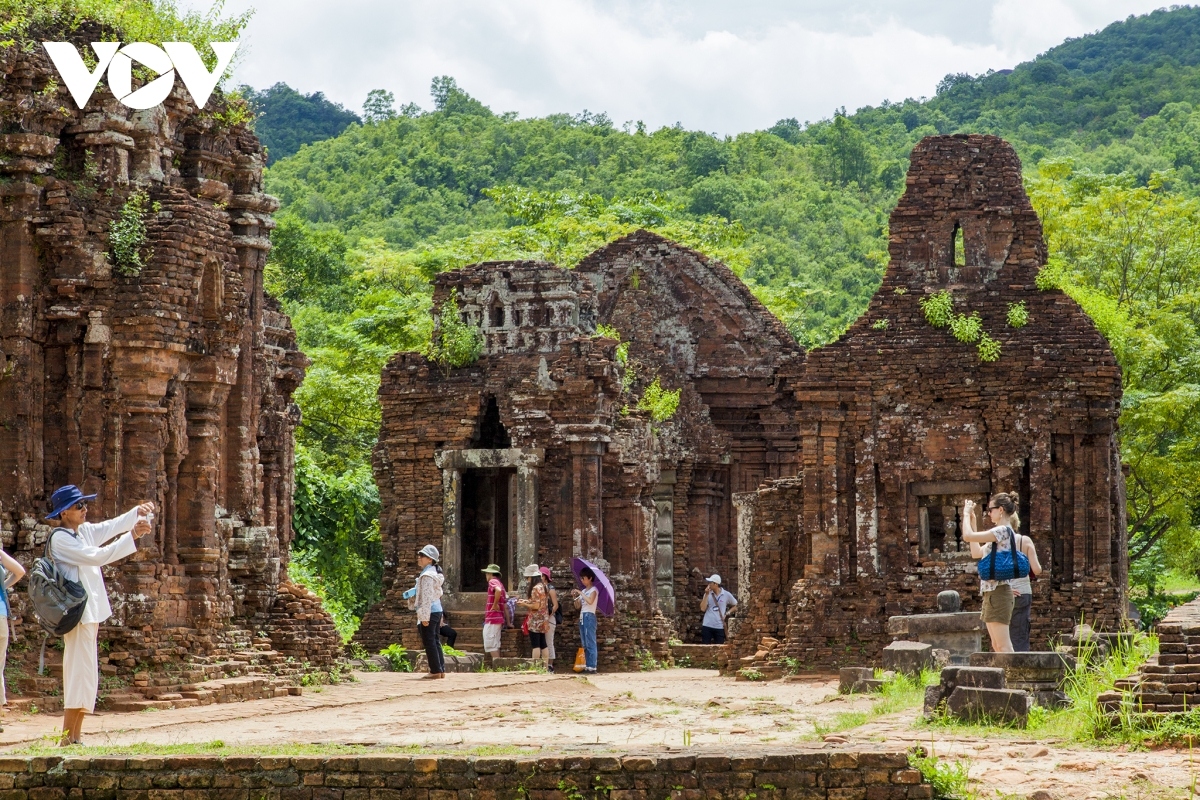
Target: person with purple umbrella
<point x="586" y="601"/>
<point x="593" y="594"/>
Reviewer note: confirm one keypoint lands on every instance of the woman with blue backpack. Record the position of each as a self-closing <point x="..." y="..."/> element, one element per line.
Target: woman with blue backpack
<point x="1002" y="563"/>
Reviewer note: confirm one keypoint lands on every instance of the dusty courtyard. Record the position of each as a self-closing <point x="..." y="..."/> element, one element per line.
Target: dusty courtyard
<point x="676" y="709"/>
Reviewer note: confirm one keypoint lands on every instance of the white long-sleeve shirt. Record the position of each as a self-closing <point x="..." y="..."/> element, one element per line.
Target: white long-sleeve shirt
<point x="81" y="556"/>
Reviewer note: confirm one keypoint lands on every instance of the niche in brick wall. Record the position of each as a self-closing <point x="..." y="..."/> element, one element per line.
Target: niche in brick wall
<point x="212" y="291"/>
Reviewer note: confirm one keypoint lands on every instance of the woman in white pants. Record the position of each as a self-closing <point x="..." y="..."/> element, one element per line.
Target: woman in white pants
<point x="80" y="548"/>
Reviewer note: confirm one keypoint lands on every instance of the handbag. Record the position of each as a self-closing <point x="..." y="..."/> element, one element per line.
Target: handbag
<point x="580" y="660"/>
<point x="1004" y="565"/>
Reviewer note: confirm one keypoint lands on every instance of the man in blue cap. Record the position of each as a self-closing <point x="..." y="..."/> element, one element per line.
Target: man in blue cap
<point x="80" y="548"/>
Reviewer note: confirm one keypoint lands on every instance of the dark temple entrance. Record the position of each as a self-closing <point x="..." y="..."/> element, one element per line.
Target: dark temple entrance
<point x="487" y="511"/>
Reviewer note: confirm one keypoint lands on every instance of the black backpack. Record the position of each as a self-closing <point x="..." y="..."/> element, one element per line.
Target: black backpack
<point x="58" y="602"/>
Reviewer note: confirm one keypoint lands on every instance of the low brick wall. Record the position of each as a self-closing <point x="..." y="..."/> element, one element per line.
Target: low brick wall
<point x="821" y="775"/>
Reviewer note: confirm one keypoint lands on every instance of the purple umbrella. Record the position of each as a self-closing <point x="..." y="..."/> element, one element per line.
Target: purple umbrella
<point x="605" y="602"/>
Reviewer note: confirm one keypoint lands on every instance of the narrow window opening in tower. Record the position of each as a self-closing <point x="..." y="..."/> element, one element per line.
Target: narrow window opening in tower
<point x="492" y="433"/>
<point x="497" y="316"/>
<point x="960" y="253"/>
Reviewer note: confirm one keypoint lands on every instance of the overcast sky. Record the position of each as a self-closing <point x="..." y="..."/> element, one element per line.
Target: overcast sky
<point x="721" y="66"/>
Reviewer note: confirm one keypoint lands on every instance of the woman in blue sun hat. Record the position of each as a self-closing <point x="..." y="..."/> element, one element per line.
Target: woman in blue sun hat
<point x="80" y="548"/>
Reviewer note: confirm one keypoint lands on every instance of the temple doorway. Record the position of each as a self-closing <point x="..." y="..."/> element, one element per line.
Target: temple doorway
<point x="488" y="510"/>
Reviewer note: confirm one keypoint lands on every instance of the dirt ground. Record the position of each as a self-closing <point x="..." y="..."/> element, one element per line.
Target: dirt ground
<point x="625" y="712"/>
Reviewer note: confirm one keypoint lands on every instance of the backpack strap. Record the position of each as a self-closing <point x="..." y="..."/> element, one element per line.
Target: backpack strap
<point x="50" y="538"/>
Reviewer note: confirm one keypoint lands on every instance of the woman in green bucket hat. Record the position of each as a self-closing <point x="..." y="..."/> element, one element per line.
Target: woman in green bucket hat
<point x="493" y="616"/>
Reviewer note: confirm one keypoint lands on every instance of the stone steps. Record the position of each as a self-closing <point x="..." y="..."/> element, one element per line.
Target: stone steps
<point x="250" y="671"/>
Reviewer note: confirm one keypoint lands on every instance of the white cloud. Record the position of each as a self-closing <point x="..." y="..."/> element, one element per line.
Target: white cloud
<point x="697" y="62"/>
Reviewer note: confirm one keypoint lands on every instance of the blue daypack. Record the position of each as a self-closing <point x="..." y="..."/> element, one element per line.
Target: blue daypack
<point x="1004" y="565"/>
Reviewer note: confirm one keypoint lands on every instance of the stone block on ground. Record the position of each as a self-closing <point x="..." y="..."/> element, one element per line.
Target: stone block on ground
<point x="1039" y="671"/>
<point x="960" y="633"/>
<point x="470" y="662"/>
<point x="954" y="676"/>
<point x="858" y="679"/>
<point x="971" y="704"/>
<point x="908" y="657"/>
<point x="978" y="677"/>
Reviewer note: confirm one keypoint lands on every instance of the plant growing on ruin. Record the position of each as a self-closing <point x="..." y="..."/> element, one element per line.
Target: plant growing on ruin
<point x="880" y="324"/>
<point x="453" y="342"/>
<point x="397" y="654"/>
<point x="127" y="236"/>
<point x="661" y="403"/>
<point x="949" y="779"/>
<point x="938" y="308"/>
<point x="966" y="328"/>
<point x="622" y="354"/>
<point x="988" y="348"/>
<point x="1018" y="315"/>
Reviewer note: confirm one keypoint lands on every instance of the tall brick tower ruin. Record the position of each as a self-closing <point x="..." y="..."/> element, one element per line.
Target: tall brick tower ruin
<point x="171" y="381"/>
<point x="900" y="423"/>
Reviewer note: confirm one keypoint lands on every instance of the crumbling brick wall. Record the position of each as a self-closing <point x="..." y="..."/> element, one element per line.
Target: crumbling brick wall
<point x="900" y="423"/>
<point x="648" y="500"/>
<point x="169" y="382"/>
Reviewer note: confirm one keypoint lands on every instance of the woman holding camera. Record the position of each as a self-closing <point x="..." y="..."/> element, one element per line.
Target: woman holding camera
<point x="998" y="597"/>
<point x="80" y="548"/>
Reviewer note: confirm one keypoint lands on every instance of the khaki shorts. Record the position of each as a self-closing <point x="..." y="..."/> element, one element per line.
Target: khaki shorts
<point x="998" y="604"/>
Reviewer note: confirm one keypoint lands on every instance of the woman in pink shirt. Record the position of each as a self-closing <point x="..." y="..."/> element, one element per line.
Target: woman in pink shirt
<point x="493" y="617"/>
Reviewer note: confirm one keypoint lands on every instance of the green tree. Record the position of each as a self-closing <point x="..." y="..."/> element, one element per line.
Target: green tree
<point x="286" y="120"/>
<point x="380" y="105"/>
<point x="1130" y="255"/>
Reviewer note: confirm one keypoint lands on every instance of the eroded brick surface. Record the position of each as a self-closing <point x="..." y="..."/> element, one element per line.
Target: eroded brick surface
<point x="900" y="423"/>
<point x="172" y="385"/>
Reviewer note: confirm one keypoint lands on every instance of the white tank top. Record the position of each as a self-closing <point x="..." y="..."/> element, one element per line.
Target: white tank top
<point x="588" y="600"/>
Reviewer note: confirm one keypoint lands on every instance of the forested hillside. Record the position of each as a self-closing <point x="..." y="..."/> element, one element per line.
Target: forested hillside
<point x="1104" y="124"/>
<point x="287" y="120"/>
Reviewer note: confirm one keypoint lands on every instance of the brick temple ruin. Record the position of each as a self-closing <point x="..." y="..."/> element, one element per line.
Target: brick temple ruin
<point x="825" y="486"/>
<point x="171" y="382"/>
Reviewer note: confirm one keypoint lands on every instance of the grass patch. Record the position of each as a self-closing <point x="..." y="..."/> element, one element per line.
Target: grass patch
<point x="899" y="693"/>
<point x="1083" y="722"/>
<point x="949" y="779"/>
<point x="1175" y="582"/>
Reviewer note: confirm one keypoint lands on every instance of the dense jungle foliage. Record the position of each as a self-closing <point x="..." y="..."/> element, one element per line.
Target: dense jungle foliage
<point x="287" y="119"/>
<point x="1107" y="127"/>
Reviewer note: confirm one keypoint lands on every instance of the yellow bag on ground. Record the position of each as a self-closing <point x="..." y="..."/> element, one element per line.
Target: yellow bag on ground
<point x="580" y="660"/>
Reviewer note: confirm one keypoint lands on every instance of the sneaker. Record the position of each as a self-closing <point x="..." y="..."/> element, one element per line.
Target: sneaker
<point x="549" y="668"/>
